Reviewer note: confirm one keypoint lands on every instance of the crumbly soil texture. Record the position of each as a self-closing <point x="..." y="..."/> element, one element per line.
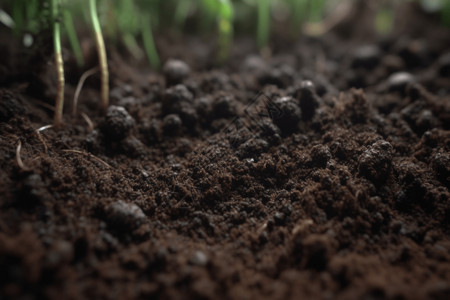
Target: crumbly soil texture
<point x="320" y="171"/>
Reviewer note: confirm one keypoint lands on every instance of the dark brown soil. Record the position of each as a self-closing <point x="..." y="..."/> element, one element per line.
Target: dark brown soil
<point x="321" y="172"/>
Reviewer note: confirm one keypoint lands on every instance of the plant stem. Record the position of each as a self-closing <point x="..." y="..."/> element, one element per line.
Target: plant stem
<point x="100" y="43"/>
<point x="263" y="22"/>
<point x="149" y="43"/>
<point x="73" y="38"/>
<point x="59" y="104"/>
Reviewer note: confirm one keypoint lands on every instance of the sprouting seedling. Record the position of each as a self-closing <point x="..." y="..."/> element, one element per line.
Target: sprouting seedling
<point x="149" y="42"/>
<point x="59" y="103"/>
<point x="316" y="8"/>
<point x="225" y="19"/>
<point x="299" y="9"/>
<point x="446" y="13"/>
<point x="384" y="19"/>
<point x="147" y="16"/>
<point x="72" y="36"/>
<point x="182" y="12"/>
<point x="100" y="43"/>
<point x="124" y="17"/>
<point x="263" y="23"/>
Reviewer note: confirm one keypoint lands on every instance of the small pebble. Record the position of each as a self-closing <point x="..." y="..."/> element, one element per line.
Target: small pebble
<point x="175" y="71"/>
<point x="124" y="216"/>
<point x="366" y="57"/>
<point x="398" y="82"/>
<point x="198" y="259"/>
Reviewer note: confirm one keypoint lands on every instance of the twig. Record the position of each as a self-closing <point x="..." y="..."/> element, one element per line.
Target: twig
<point x="80" y="86"/>
<point x="38" y="132"/>
<point x="88" y="121"/>
<point x="89" y="155"/>
<point x="19" y="159"/>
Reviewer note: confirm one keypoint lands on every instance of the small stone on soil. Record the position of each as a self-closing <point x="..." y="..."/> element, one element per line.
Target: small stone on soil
<point x="198" y="259"/>
<point x="366" y="57"/>
<point x="176" y="71"/>
<point x="398" y="82"/>
<point x="124" y="216"/>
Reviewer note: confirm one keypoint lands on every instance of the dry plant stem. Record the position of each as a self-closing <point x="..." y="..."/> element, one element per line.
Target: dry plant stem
<point x="88" y="121"/>
<point x="80" y="86"/>
<point x="91" y="156"/>
<point x="19" y="159"/>
<point x="38" y="132"/>
<point x="100" y="43"/>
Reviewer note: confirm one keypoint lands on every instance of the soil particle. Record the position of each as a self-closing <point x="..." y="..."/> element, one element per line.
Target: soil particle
<point x="32" y="191"/>
<point x="172" y="125"/>
<point x="375" y="162"/>
<point x="123" y="216"/>
<point x="175" y="71"/>
<point x="290" y="116"/>
<point x="320" y="155"/>
<point x="224" y="106"/>
<point x="307" y="98"/>
<point x="117" y="124"/>
<point x="281" y="77"/>
<point x="179" y="100"/>
<point x="10" y="106"/>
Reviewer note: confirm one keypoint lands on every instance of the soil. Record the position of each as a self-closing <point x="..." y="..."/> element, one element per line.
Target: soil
<point x="322" y="171"/>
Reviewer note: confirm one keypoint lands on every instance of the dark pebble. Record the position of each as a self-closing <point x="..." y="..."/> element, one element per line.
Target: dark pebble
<point x="175" y="71"/>
<point x="117" y="123"/>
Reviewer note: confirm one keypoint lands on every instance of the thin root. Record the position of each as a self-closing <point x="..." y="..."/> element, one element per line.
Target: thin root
<point x="38" y="132"/>
<point x="91" y="156"/>
<point x="88" y="121"/>
<point x="80" y="86"/>
<point x="19" y="159"/>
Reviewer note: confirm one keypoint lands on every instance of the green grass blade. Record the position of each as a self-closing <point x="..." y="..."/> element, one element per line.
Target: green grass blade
<point x="149" y="43"/>
<point x="263" y="23"/>
<point x="73" y="38"/>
